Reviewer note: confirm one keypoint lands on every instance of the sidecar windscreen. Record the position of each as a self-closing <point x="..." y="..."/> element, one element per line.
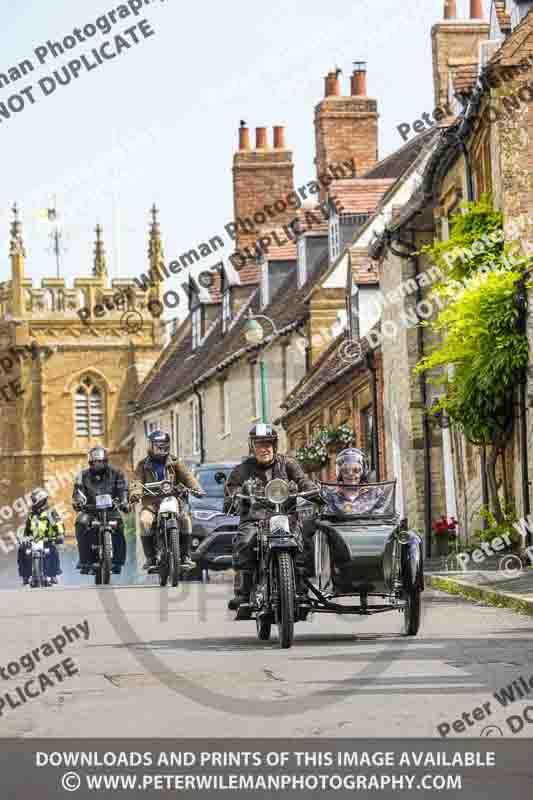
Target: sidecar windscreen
<point x="374" y="500"/>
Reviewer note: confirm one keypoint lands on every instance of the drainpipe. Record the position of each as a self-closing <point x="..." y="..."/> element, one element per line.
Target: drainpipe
<point x="371" y="367"/>
<point x="428" y="496"/>
<point x="201" y="414"/>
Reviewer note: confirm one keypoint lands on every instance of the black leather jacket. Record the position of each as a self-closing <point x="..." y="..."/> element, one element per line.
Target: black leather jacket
<point x="282" y="467"/>
<point x="112" y="481"/>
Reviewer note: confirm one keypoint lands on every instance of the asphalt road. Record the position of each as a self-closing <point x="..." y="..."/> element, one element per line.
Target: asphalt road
<point x="176" y="664"/>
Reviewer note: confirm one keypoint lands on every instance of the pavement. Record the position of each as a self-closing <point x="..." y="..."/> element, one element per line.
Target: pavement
<point x="175" y="663"/>
<point x="504" y="583"/>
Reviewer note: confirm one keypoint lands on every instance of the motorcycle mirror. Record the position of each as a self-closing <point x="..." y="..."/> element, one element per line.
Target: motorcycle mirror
<point x="220" y="477"/>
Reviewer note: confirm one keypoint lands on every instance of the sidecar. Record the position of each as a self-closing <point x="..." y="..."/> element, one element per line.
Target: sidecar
<point x="363" y="550"/>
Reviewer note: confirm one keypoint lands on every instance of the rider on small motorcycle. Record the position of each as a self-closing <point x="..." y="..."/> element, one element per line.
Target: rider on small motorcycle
<point x="159" y="465"/>
<point x="351" y="495"/>
<point x="42" y="523"/>
<point x="99" y="478"/>
<point x="263" y="465"/>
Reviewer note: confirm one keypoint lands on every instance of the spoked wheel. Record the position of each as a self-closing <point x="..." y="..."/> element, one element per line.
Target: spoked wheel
<point x="264" y="627"/>
<point x="411" y="613"/>
<point x="286" y="590"/>
<point x="164" y="555"/>
<point x="107" y="558"/>
<point x="175" y="558"/>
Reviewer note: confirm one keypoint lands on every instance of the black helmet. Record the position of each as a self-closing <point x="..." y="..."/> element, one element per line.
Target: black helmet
<point x="98" y="460"/>
<point x="352" y="456"/>
<point x="39" y="500"/>
<point x="158" y="445"/>
<point x="263" y="432"/>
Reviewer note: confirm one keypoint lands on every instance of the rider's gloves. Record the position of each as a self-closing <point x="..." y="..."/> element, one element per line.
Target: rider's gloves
<point x="197" y="493"/>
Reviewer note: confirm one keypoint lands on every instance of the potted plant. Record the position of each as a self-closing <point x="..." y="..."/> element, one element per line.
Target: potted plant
<point x="312" y="456"/>
<point x="445" y="532"/>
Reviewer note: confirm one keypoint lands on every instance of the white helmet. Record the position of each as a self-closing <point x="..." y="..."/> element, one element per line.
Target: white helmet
<point x="353" y="457"/>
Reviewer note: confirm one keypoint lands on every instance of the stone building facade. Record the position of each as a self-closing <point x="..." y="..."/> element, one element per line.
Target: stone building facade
<point x="74" y="378"/>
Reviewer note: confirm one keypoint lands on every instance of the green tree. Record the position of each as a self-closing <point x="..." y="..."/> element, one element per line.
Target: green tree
<point x="483" y="351"/>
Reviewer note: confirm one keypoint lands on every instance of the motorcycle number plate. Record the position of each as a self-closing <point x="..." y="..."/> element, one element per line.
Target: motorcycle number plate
<point x="104" y="501"/>
<point x="169" y="505"/>
<point x="279" y="523"/>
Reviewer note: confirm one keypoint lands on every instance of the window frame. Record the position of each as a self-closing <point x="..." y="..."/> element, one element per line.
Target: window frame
<point x="302" y="261"/>
<point x="226" y="309"/>
<point x="334" y="237"/>
<point x="93" y="416"/>
<point x="265" y="293"/>
<point x="196" y="326"/>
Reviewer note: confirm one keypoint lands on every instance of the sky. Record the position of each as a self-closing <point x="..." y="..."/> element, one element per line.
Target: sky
<point x="159" y="122"/>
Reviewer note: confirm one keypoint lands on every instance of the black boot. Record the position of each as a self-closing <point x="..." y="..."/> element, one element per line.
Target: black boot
<point x="242" y="589"/>
<point x="187" y="564"/>
<point x="149" y="551"/>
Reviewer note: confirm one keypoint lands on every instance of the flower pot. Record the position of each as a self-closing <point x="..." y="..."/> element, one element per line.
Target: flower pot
<point x="443" y="544"/>
<point x="311" y="466"/>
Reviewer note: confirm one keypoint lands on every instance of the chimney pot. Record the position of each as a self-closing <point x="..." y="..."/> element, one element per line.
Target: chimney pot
<point x="450" y="9"/>
<point x="279" y="137"/>
<point x="476" y="9"/>
<point x="261" y="142"/>
<point x="333" y="87"/>
<point x="244" y="138"/>
<point x="359" y="79"/>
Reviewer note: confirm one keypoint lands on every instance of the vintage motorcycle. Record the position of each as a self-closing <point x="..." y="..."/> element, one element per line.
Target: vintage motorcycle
<point x="273" y="599"/>
<point x="364" y="550"/>
<point x="166" y="526"/>
<point x="39" y="551"/>
<point x="102" y="564"/>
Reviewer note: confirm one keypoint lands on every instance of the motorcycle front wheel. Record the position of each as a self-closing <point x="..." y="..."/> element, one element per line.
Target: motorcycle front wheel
<point x="164" y="557"/>
<point x="107" y="558"/>
<point x="175" y="556"/>
<point x="286" y="592"/>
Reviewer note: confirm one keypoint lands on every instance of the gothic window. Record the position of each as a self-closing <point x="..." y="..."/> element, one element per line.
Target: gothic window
<point x="89" y="414"/>
<point x="60" y="300"/>
<point x="49" y="300"/>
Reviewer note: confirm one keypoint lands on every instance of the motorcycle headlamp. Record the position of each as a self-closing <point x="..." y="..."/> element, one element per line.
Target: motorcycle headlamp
<point x="403" y="537"/>
<point x="277" y="491"/>
<point x="166" y="487"/>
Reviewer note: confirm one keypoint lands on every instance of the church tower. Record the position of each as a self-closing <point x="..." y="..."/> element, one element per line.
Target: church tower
<point x="71" y="361"/>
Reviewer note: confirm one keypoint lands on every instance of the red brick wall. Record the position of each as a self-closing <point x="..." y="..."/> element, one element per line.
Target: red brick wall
<point x="345" y="128"/>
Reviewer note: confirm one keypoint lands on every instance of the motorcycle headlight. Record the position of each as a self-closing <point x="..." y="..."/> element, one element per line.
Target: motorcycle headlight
<point x="403" y="537"/>
<point x="195" y="542"/>
<point x="166" y="487"/>
<point x="277" y="491"/>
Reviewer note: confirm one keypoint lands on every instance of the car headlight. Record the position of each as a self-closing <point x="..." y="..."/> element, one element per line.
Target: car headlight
<point x="205" y="516"/>
<point x="277" y="491"/>
<point x="166" y="487"/>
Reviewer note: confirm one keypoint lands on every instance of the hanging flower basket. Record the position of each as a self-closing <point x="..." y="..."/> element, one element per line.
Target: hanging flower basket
<point x="312" y="457"/>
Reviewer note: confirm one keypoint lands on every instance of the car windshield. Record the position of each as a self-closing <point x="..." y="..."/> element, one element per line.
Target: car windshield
<point x="206" y="477"/>
<point x="365" y="500"/>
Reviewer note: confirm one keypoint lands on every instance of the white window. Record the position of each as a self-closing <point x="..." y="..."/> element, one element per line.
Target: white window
<point x="195" y="425"/>
<point x="88" y="411"/>
<point x="226" y="310"/>
<point x="196" y="324"/>
<point x="264" y="285"/>
<point x="255" y="390"/>
<point x="302" y="262"/>
<point x="334" y="237"/>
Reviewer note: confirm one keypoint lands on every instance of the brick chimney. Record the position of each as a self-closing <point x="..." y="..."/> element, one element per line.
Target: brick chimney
<point x="455" y="42"/>
<point x="346" y="127"/>
<point x="261" y="177"/>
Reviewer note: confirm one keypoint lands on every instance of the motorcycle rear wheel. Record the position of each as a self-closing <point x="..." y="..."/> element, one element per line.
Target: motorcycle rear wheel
<point x="286" y="586"/>
<point x="412" y="612"/>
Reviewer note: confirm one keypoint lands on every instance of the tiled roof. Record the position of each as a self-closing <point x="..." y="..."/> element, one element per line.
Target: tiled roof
<point x="360" y="195"/>
<point x="397" y="163"/>
<point x="337" y="360"/>
<point x="363" y="268"/>
<point x="312" y="222"/>
<point x="218" y="350"/>
<point x="516" y="45"/>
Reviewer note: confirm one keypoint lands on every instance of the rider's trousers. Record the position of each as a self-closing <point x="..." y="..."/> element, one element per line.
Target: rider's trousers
<point x="86" y="538"/>
<point x="245" y="541"/>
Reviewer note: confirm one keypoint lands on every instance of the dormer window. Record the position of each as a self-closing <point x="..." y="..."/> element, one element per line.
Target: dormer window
<point x="264" y="285"/>
<point x="196" y="326"/>
<point x="226" y="309"/>
<point x="334" y="237"/>
<point x="302" y="263"/>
